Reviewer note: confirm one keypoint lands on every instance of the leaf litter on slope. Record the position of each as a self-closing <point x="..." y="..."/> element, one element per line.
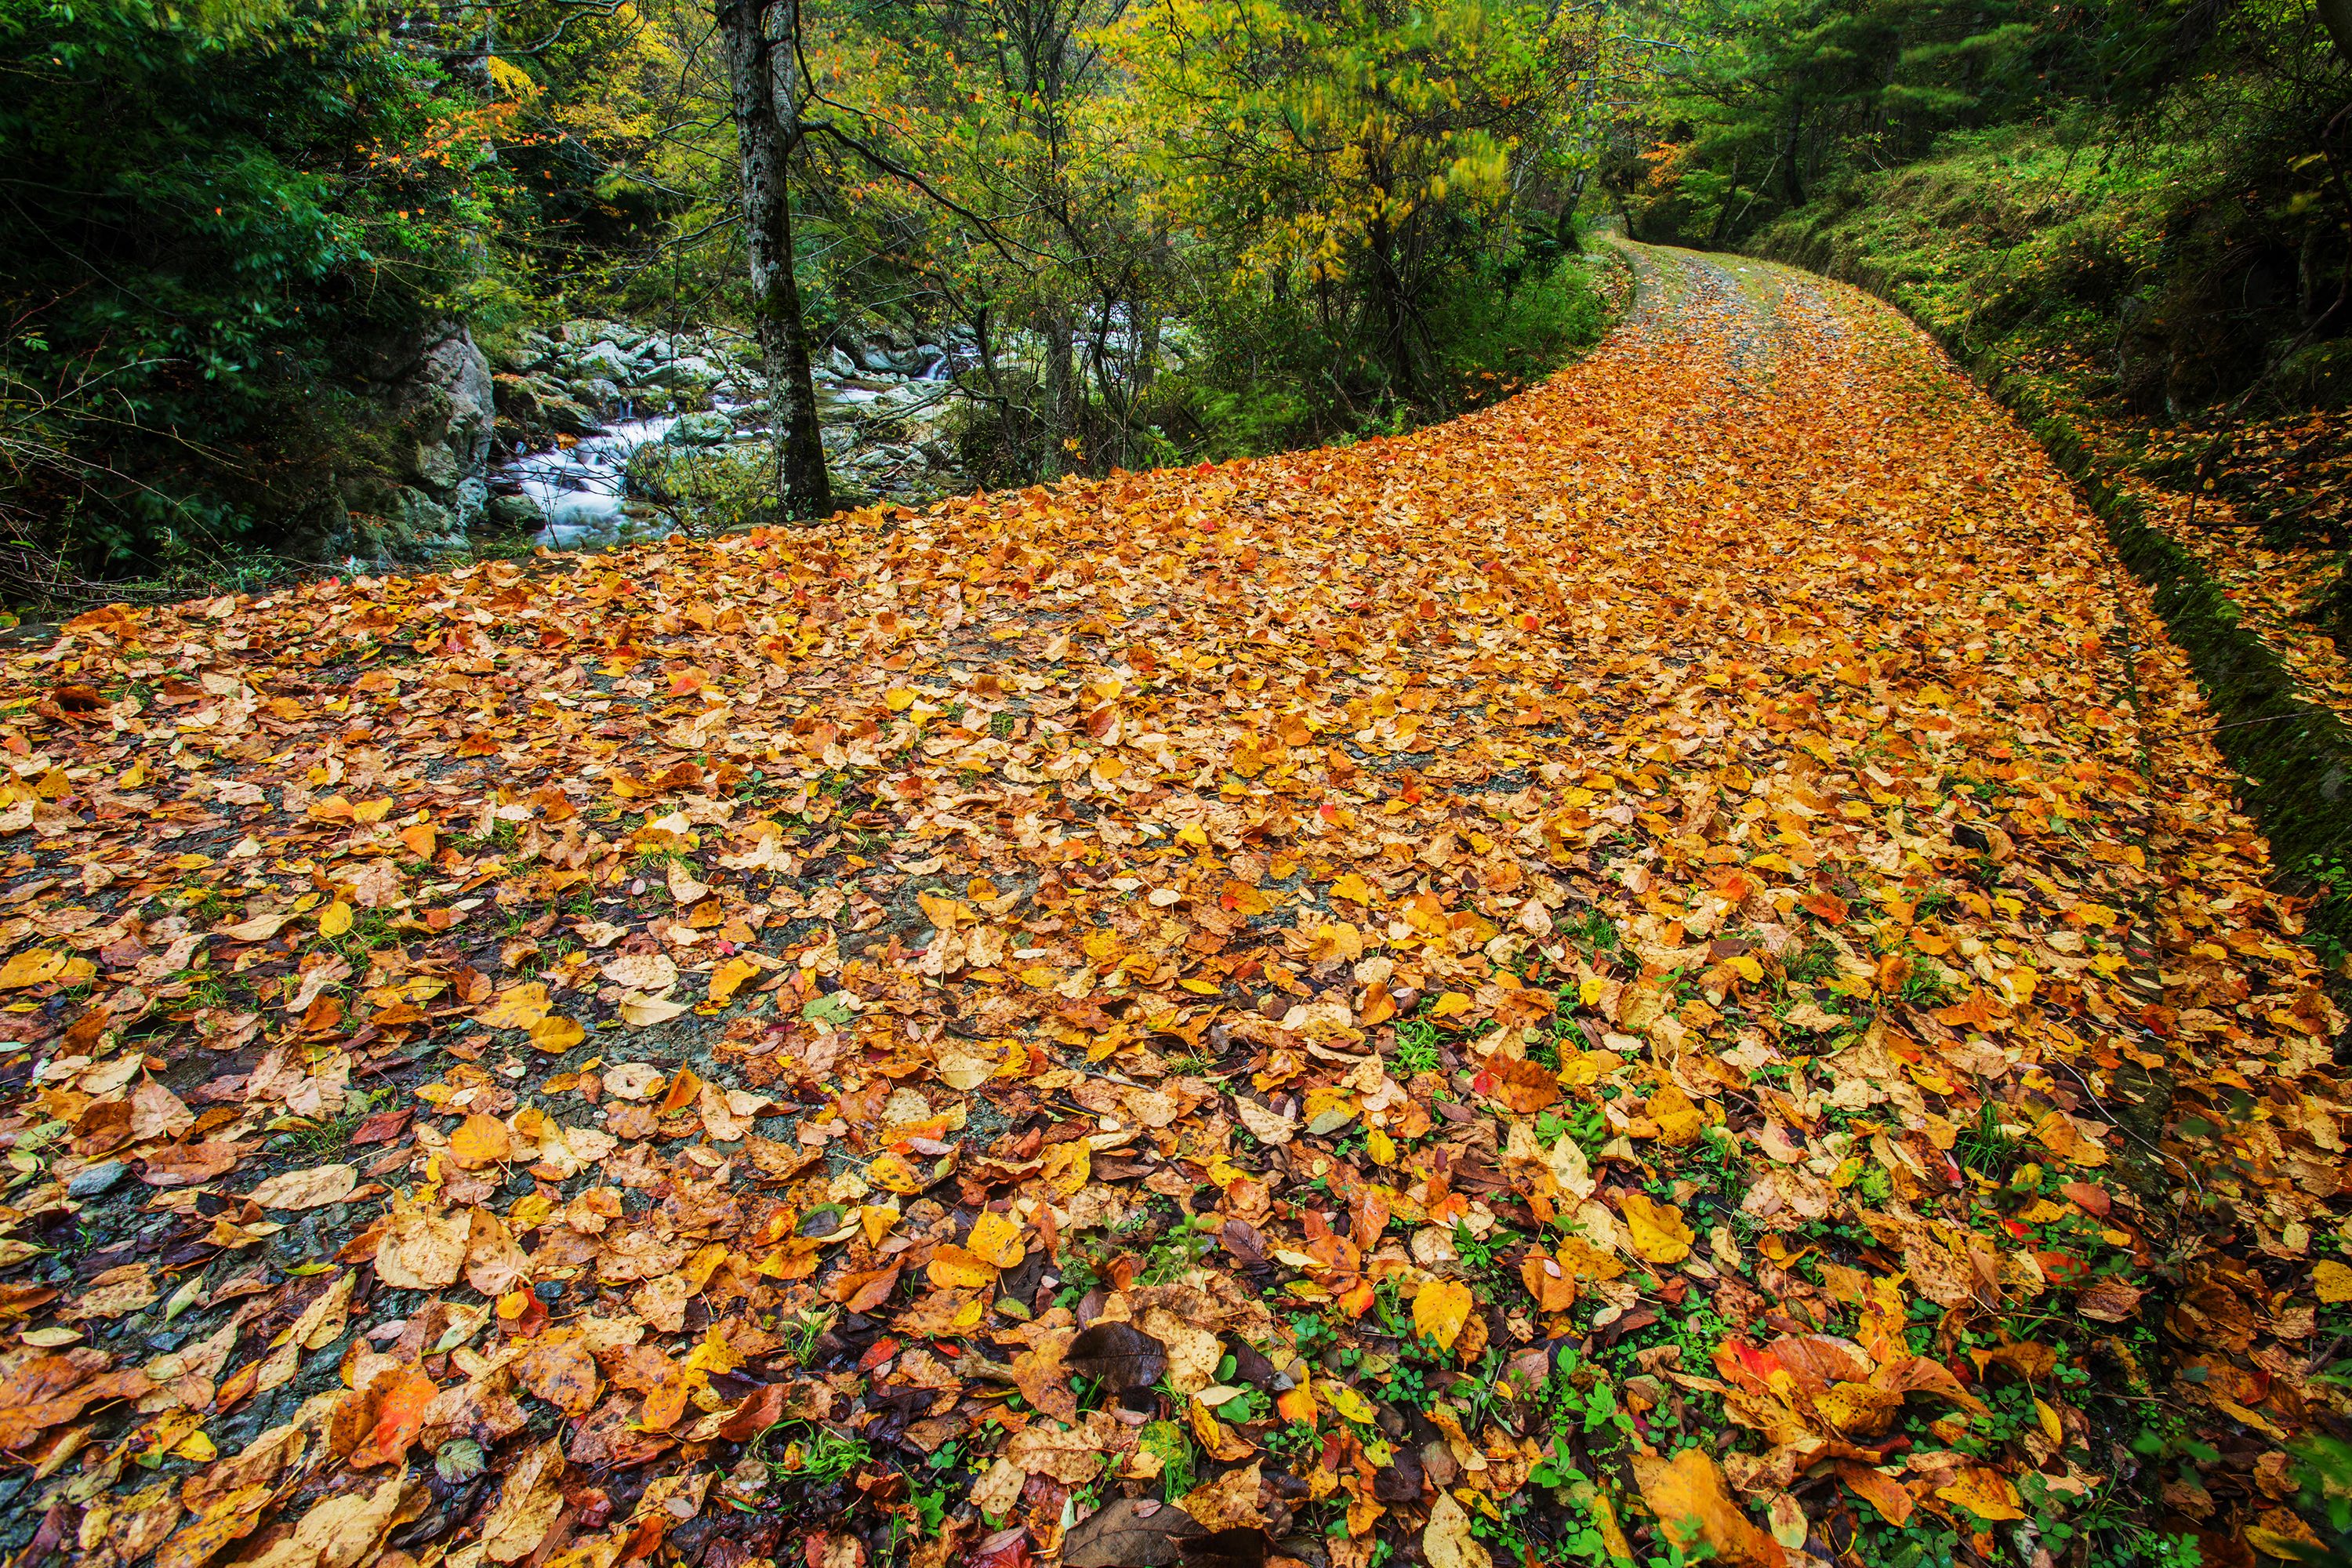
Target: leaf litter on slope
<point x="1586" y="980"/>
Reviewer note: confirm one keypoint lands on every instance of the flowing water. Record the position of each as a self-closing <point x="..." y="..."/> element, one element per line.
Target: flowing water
<point x="583" y="490"/>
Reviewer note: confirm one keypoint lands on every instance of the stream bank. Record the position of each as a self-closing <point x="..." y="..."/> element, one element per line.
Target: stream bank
<point x="608" y="432"/>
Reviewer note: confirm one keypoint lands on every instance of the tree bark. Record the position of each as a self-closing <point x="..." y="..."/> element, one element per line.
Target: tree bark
<point x="1790" y="174"/>
<point x="2335" y="16"/>
<point x="1056" y="328"/>
<point x="1387" y="288"/>
<point x="760" y="65"/>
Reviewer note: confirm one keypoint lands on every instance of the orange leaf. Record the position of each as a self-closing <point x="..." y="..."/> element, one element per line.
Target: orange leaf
<point x="480" y="1141"/>
<point x="1525" y="1087"/>
<point x="1693" y="1509"/>
<point x="1879" y="1490"/>
<point x="684" y="1091"/>
<point x="399" y="1418"/>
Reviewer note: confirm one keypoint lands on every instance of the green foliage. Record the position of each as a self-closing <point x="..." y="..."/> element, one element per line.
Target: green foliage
<point x="809" y="1454"/>
<point x="709" y="488"/>
<point x="1277" y="375"/>
<point x="217" y="214"/>
<point x="1416" y="1049"/>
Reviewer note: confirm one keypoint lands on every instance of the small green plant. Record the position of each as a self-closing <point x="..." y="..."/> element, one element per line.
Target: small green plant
<point x="802" y="1334"/>
<point x="1416" y="1047"/>
<point x="1816" y="963"/>
<point x="1168" y="1440"/>
<point x="1987" y="1147"/>
<point x="316" y="1137"/>
<point x="1924" y="987"/>
<point x="811" y="1454"/>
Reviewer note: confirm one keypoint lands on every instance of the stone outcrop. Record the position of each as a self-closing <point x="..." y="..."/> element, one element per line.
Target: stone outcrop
<point x="429" y="479"/>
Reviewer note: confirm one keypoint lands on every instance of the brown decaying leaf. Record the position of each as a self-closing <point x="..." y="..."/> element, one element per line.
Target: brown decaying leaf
<point x="1120" y="1356"/>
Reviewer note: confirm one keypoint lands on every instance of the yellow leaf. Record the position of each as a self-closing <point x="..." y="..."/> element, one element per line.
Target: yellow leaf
<point x="995" y="1239"/>
<point x="555" y="1034"/>
<point x="1984" y="1492"/>
<point x="2333" y="1282"/>
<point x="898" y="698"/>
<point x="35" y="966"/>
<point x="1451" y="1004"/>
<point x="1348" y="1402"/>
<point x="1067" y="1165"/>
<point x="1353" y="889"/>
<point x="1441" y="1309"/>
<point x="1381" y="1147"/>
<point x="1589" y="990"/>
<point x="1679" y="1121"/>
<point x="1657" y="1229"/>
<point x="957" y="1269"/>
<point x="335" y="919"/>
<point x="480" y="1141"/>
<point x="516" y="1007"/>
<point x="729" y="977"/>
<point x="1695" y="1509"/>
<point x="893" y="1174"/>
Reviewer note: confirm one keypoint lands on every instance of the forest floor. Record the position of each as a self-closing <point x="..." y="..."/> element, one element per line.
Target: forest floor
<point x="1660" y="971"/>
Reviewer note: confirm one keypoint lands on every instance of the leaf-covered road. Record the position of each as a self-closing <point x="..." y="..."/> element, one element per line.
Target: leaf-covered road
<point x="1659" y="963"/>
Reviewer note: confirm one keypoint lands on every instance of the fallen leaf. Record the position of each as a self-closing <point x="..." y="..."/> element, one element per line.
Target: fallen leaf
<point x="1120" y="1356"/>
<point x="1440" y="1309"/>
<point x="1656" y="1230"/>
<point x="313" y="1188"/>
<point x="1446" y="1541"/>
<point x="1687" y="1494"/>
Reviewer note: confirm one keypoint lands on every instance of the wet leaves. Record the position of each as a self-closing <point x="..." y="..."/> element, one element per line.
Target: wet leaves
<point x="1606" y="971"/>
<point x="1120" y="1356"/>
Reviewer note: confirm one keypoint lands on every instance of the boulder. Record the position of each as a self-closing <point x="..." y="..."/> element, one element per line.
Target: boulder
<point x="601" y="360"/>
<point x="708" y="429"/>
<point x="446" y="406"/>
<point x="514" y="514"/>
<point x="687" y="373"/>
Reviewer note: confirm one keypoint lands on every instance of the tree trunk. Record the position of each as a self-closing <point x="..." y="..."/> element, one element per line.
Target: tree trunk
<point x="2335" y="16"/>
<point x="760" y="68"/>
<point x="1055" y="327"/>
<point x="1396" y="327"/>
<point x="1790" y="174"/>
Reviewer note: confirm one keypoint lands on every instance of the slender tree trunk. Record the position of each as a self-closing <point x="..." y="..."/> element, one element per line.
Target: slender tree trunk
<point x="1723" y="211"/>
<point x="760" y="69"/>
<point x="1055" y="327"/>
<point x="2335" y="16"/>
<point x="1791" y="174"/>
<point x="1389" y="287"/>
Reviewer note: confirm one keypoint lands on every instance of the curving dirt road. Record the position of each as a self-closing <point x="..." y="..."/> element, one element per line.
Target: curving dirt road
<point x="1660" y="962"/>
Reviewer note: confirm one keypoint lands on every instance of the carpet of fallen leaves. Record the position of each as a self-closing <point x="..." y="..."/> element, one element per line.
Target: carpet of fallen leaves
<point x="2275" y="582"/>
<point x="1616" y="979"/>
